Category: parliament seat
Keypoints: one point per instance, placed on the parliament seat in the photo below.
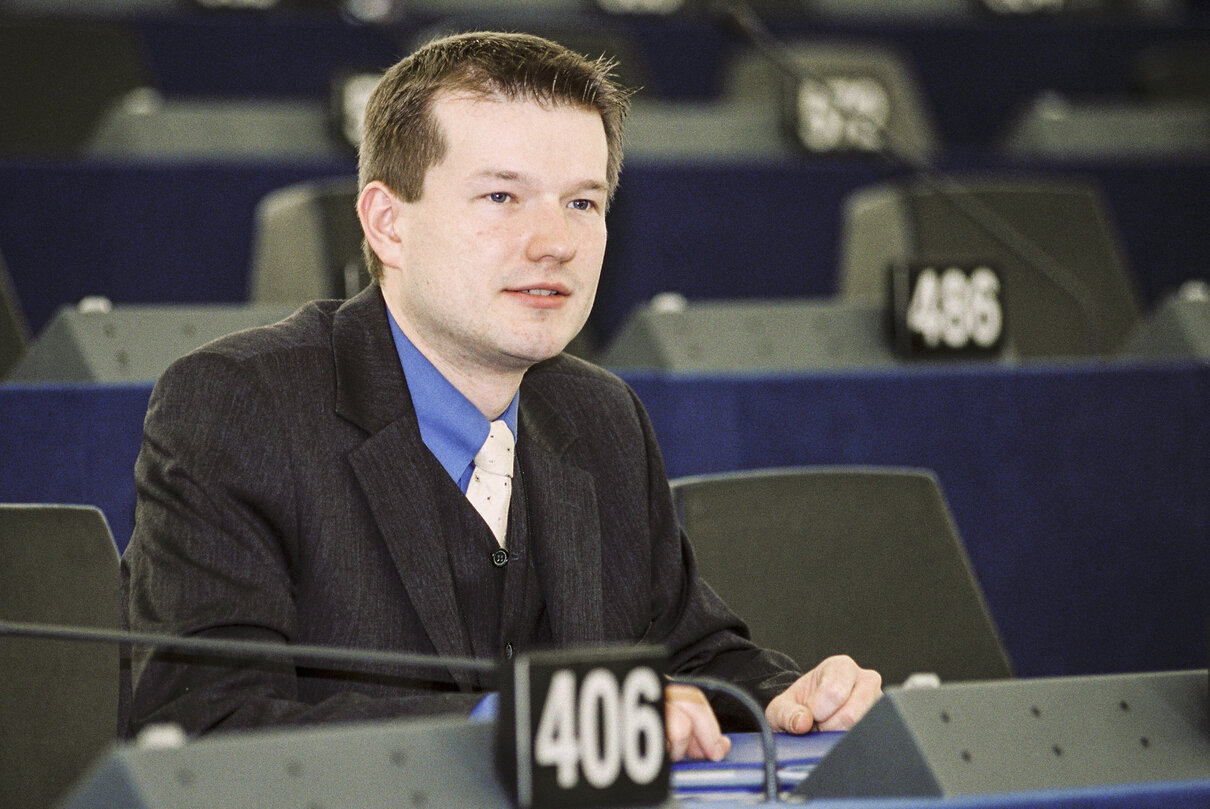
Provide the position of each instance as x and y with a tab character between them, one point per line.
307	243
1065	285
825	99
59	699
1118	128
58	75
144	125
864	561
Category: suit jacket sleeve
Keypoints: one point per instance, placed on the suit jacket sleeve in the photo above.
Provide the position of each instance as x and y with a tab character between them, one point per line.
703	635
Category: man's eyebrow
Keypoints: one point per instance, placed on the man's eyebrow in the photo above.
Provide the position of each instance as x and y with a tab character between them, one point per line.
593	185
498	174
515	176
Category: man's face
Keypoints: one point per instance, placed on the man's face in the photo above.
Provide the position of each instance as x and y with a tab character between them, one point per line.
501	255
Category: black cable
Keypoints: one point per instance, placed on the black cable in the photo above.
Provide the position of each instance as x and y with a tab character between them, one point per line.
768	745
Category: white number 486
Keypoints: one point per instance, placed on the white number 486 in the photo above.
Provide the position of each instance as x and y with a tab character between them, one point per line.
955	308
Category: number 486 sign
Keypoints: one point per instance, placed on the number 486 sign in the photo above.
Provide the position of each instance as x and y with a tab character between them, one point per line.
948	310
585	728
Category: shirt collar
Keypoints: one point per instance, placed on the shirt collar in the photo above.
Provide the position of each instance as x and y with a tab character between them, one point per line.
451	427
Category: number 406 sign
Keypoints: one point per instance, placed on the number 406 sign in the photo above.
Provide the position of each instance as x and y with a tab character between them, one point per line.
585	728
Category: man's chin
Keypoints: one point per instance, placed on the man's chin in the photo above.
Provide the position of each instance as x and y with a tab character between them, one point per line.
533	352
538	344
531	358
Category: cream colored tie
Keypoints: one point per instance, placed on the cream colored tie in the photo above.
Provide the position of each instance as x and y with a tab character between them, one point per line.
491	481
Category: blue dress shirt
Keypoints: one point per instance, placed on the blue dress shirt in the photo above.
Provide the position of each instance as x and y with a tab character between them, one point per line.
451	427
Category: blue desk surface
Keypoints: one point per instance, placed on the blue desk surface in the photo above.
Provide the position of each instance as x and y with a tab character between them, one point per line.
742	771
1179	795
1163	795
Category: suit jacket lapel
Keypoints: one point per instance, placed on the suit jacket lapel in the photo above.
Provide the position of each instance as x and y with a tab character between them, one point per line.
392	469
564	529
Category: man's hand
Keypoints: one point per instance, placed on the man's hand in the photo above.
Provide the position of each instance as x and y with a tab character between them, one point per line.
692	727
831	696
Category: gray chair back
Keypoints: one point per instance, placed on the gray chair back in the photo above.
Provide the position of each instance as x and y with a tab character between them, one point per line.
58	699
864	561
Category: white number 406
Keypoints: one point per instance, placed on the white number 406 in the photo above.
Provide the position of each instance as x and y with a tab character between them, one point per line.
603	729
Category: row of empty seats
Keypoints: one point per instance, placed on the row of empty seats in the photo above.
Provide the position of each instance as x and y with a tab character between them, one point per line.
861	89
180	83
1061	293
124	88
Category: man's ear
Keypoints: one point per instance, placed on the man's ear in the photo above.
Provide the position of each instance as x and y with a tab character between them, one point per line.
378	210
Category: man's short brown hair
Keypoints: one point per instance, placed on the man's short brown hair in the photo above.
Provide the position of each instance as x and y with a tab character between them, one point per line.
403	139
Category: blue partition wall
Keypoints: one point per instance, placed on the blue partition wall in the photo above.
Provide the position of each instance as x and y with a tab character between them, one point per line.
148	232
1082	492
73	444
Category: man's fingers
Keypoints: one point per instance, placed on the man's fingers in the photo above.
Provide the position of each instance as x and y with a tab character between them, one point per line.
679	729
865	691
832	696
785	713
832	683
842	693
692	728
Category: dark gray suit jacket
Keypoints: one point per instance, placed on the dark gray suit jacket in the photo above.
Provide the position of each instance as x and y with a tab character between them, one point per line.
284	493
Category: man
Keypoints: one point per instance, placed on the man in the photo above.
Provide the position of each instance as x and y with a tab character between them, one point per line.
311	481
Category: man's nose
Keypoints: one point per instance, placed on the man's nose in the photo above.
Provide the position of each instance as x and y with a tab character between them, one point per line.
551	236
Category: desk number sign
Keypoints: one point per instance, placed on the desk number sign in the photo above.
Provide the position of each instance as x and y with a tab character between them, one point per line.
584	728
841	114
947	309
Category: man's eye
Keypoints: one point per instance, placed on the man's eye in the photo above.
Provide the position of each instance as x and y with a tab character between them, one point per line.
583	204
499	196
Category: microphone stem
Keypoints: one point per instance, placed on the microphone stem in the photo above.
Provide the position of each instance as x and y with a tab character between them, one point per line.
768	744
244	648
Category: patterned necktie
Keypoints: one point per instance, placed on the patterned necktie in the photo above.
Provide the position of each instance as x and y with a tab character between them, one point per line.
491	481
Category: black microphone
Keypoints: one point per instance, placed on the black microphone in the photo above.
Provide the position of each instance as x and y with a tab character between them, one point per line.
740	20
246	649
